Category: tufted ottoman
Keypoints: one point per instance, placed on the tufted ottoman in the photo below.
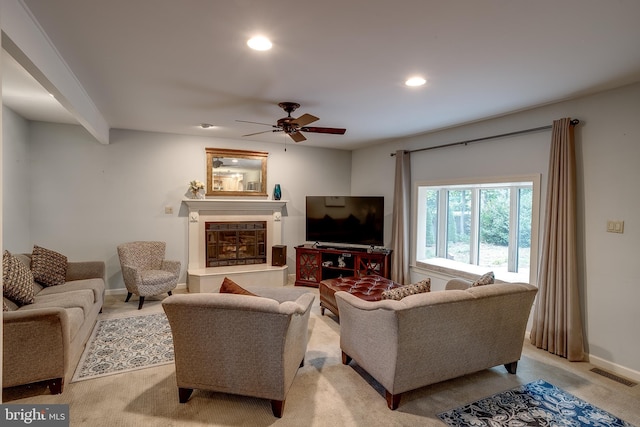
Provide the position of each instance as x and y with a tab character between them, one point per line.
368	288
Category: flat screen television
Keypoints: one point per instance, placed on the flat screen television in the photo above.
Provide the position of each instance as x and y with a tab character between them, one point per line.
350	220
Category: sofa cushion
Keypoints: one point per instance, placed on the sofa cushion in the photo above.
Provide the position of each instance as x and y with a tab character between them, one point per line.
49	267
230	287
485	279
95	285
82	299
406	290
17	280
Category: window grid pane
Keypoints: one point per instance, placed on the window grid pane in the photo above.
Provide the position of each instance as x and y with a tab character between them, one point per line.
431	228
459	225
525	208
494	228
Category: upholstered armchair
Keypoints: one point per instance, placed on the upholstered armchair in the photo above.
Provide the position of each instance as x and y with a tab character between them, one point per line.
240	344
145	271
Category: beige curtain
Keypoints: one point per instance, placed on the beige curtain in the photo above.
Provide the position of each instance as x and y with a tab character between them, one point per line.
557	324
400	240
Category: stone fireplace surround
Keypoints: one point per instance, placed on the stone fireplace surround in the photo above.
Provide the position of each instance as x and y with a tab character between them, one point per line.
208	279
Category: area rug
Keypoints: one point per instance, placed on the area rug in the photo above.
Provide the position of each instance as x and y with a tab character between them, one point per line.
126	344
535	404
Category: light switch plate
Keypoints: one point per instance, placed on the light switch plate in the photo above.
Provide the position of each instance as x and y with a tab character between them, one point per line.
615	226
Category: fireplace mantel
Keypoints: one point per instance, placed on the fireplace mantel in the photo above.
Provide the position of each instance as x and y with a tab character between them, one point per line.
235	204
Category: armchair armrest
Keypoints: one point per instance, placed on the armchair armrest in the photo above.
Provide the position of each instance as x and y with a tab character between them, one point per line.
171	266
131	275
35	346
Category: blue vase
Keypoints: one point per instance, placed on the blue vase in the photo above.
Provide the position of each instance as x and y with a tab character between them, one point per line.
277	193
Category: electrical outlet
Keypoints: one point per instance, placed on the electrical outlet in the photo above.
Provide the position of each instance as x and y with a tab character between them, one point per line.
168	210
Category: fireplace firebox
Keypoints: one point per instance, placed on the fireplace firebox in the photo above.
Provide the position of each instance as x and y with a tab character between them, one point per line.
235	243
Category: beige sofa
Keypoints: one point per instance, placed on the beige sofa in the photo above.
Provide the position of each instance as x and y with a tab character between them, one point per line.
43	341
431	337
240	344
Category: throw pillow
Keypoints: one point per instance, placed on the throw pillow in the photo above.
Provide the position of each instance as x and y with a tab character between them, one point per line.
230	287
406	290
49	267
485	279
17	280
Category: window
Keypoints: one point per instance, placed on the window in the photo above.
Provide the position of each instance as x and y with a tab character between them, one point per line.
479	226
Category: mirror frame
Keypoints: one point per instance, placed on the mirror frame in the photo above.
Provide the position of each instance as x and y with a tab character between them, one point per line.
213	153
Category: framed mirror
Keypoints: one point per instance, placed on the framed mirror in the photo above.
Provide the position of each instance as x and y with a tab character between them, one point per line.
236	172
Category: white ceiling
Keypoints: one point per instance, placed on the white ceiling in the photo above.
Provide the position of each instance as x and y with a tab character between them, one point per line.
168	65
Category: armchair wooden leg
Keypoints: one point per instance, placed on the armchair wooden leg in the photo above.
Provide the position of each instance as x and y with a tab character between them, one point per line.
393	400
184	394
128	297
277	406
56	385
345	358
140	303
511	367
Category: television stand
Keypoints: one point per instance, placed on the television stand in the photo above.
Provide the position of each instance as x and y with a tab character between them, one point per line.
316	263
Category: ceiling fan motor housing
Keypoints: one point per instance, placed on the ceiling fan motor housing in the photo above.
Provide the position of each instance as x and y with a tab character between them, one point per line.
288	124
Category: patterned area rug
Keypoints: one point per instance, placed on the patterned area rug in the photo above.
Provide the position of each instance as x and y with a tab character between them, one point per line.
126	344
535	404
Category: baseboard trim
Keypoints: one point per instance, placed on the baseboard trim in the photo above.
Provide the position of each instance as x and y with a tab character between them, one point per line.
601	363
614	368
123	291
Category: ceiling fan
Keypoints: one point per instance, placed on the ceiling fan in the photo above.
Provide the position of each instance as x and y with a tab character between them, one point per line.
294	126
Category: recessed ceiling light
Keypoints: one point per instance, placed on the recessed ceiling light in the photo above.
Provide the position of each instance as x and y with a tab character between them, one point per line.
206	125
259	43
415	81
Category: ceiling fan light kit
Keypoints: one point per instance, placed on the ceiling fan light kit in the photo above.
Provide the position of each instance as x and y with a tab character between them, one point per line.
293	126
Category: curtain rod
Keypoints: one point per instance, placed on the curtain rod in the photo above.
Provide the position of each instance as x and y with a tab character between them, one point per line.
518	132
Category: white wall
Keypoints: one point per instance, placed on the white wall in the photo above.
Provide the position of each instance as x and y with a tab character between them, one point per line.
87	197
16	177
608	149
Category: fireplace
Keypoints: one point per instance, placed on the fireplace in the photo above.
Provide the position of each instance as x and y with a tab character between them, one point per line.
235	243
233	238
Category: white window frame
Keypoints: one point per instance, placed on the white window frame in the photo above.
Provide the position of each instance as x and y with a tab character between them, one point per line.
456	268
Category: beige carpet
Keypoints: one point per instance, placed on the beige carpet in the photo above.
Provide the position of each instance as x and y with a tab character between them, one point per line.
324	392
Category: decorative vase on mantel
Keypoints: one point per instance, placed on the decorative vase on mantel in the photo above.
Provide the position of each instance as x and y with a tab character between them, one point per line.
277	192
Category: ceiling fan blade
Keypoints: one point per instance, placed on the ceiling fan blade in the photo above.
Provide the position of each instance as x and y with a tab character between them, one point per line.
336	131
305	119
297	137
264	131
256	123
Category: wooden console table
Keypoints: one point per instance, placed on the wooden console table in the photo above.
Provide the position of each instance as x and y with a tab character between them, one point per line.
315	264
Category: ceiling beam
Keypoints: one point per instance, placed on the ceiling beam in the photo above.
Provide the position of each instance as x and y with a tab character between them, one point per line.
25	40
